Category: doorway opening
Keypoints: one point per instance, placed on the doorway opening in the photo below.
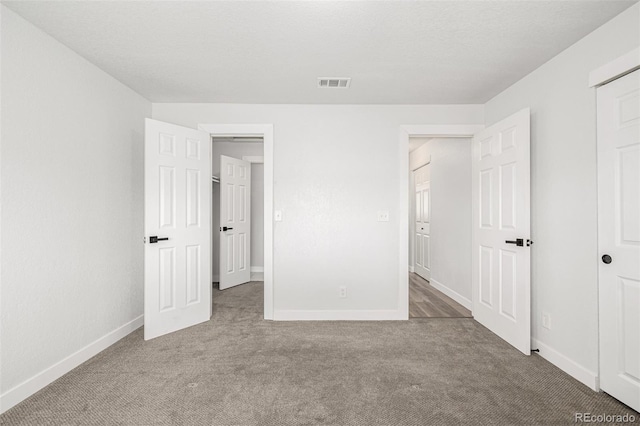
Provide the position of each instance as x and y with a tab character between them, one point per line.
440	227
237	207
251	147
500	223
251	251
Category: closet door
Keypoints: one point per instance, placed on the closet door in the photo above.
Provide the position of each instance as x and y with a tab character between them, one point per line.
422	238
619	237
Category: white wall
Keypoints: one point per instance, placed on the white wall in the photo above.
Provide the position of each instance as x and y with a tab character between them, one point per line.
72	206
334	168
564	196
450	170
238	150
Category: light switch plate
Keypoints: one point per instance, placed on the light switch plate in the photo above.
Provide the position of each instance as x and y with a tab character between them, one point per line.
277	215
546	320
383	215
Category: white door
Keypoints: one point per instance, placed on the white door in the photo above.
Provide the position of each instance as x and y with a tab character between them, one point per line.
177	264
500	230
619	237
423	223
235	222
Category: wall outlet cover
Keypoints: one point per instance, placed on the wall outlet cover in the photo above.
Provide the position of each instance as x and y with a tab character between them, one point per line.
383	215
342	292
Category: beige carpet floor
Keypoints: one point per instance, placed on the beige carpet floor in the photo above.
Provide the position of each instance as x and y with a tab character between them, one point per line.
240	370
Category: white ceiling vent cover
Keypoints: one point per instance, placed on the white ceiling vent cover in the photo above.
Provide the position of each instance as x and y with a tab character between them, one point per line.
334	82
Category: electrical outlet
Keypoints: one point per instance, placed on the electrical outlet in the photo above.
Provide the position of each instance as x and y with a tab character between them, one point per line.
383	215
342	292
546	320
277	215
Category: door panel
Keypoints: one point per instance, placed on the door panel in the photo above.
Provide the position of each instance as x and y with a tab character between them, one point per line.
619	237
177	292
423	222
501	213
235	211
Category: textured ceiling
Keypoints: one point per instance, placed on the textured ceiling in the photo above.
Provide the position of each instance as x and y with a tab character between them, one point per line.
396	52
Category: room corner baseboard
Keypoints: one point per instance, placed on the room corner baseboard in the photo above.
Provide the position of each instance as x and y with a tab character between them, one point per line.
572	368
30	386
452	294
412	269
257	269
337	315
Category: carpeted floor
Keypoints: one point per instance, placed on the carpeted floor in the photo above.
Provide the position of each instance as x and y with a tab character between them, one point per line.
240	370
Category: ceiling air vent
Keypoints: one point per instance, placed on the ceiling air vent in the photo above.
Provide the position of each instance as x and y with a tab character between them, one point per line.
334	82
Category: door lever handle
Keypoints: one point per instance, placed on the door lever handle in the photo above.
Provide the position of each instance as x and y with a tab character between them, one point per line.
155	239
518	241
224	228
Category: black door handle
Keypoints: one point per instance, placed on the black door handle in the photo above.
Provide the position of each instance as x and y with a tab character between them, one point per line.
224	228
607	259
519	242
155	239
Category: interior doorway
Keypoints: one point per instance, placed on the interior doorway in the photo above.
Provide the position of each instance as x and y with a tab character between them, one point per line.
439	227
265	133
500	223
237	210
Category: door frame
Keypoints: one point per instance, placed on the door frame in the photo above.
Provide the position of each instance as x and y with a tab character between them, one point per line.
406	132
266	132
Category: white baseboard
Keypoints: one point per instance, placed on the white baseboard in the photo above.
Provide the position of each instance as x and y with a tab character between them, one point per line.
412	269
257	269
30	386
567	365
452	294
380	315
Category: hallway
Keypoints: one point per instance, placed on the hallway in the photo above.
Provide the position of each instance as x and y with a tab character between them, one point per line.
427	302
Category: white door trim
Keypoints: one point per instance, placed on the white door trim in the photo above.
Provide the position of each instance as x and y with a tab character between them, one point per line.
406	132
266	132
620	66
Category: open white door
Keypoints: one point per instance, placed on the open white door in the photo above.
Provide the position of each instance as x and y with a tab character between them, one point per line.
235	222
500	231
177	264
619	237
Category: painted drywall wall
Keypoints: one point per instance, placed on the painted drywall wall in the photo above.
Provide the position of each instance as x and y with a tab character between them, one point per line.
335	167
72	202
450	177
238	150
563	186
